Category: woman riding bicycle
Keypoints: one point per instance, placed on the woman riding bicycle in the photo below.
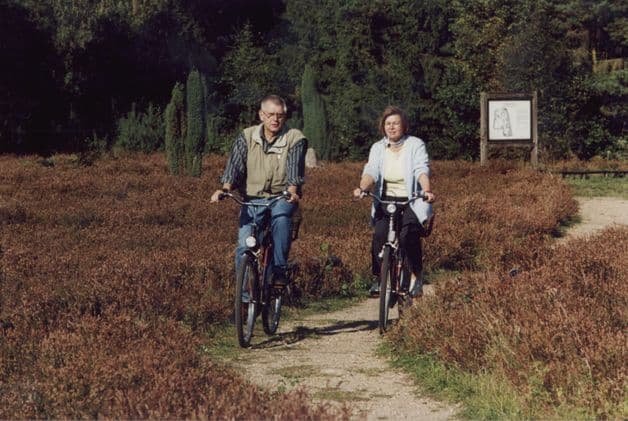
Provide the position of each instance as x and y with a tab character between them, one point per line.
396	163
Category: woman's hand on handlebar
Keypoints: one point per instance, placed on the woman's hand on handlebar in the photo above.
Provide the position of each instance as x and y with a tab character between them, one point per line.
359	193
429	197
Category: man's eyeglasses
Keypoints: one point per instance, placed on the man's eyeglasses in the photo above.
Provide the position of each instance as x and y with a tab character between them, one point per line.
278	116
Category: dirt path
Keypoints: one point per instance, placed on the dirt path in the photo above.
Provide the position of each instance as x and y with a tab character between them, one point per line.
597	213
333	355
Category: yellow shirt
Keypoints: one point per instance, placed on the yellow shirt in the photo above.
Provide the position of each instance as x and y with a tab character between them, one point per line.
393	172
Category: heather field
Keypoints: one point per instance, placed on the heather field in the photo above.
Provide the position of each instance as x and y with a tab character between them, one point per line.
555	332
112	275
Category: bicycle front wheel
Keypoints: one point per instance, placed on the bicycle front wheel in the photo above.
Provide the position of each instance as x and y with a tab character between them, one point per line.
403	299
386	299
271	312
246	300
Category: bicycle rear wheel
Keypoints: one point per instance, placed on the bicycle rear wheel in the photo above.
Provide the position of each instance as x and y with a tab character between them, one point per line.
271	312
245	312
386	293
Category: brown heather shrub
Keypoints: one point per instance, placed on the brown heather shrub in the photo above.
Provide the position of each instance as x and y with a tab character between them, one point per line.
13	213
125	368
110	275
556	330
85	250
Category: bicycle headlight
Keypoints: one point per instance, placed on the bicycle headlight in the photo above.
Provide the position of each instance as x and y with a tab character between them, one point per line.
391	208
250	242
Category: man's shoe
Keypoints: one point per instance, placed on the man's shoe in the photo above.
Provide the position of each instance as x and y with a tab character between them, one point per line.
374	289
280	277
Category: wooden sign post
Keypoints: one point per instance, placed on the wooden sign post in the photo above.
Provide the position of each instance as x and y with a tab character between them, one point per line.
508	120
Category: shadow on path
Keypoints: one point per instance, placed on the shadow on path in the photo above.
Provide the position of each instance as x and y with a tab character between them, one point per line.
302	332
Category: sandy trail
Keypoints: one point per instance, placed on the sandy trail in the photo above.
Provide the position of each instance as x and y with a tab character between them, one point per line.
597	213
333	355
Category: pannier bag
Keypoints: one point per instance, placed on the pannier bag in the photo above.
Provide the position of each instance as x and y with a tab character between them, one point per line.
427	226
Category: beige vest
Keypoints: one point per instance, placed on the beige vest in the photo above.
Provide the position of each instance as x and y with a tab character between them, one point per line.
266	172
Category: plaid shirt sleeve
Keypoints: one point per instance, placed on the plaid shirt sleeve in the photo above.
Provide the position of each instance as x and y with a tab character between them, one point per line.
295	163
235	172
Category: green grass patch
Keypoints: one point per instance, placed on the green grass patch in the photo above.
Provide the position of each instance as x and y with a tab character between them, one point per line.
596	186
223	343
335	394
297	371
482	396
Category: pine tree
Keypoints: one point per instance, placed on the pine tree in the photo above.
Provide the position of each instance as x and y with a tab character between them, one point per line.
175	129
314	117
196	126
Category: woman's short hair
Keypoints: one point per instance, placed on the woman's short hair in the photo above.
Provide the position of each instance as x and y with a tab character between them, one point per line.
275	99
392	110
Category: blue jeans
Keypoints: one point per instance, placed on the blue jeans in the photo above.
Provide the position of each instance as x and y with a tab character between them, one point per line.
280	228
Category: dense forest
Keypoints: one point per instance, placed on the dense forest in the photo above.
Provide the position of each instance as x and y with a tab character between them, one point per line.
81	75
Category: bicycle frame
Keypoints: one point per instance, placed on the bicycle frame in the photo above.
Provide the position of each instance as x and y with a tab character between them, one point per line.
257	256
394	285
261	251
392	211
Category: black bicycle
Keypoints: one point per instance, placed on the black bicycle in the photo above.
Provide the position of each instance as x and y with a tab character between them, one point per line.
254	290
395	275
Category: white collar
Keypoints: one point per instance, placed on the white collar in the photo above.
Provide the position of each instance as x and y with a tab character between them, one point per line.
400	142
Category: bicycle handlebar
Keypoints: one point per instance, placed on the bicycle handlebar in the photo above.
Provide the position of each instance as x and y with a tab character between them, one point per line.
284	195
415	196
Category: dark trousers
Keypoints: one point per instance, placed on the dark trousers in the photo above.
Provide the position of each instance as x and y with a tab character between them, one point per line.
409	239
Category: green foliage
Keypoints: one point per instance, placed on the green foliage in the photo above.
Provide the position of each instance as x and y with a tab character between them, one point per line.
175	129
141	131
196	92
314	116
76	66
212	143
248	74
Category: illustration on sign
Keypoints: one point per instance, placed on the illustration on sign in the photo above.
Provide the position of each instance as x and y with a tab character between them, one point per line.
509	120
502	121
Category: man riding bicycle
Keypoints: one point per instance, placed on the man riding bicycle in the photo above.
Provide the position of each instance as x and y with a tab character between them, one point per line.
266	160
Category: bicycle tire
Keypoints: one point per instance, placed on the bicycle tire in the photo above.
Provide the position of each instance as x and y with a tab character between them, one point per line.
271	312
245	313
385	290
404	300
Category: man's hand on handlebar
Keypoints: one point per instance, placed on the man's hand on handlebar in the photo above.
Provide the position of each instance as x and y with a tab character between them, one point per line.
294	198
218	195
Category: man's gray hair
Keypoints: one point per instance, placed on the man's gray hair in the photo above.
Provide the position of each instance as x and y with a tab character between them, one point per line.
275	99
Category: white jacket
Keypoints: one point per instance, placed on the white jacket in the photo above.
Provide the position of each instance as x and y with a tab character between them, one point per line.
416	163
